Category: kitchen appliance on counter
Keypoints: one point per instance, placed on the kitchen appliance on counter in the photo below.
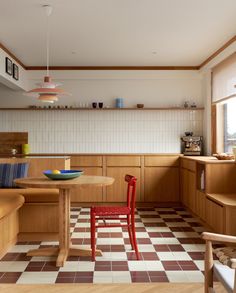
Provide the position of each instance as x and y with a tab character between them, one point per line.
191	145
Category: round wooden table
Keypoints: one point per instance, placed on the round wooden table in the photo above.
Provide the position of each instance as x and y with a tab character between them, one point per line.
65	249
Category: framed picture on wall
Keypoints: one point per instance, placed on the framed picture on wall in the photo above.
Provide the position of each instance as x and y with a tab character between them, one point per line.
15	71
8	66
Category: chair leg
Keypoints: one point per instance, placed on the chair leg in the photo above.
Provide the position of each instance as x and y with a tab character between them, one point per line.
92	231
134	237
130	232
208	268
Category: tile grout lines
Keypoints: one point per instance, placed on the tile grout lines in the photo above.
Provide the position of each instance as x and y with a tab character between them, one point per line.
168	238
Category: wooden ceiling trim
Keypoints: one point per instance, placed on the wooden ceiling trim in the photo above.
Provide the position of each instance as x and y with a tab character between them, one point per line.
11	55
216	53
114	67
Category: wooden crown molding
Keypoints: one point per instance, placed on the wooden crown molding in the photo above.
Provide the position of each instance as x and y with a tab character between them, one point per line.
113	67
227	44
195	67
11	55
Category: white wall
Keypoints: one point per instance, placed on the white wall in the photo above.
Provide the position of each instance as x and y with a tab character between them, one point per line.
153	88
104	131
109	131
8	80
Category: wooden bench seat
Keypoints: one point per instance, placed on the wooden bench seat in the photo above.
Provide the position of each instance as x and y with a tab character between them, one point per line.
9	220
221	212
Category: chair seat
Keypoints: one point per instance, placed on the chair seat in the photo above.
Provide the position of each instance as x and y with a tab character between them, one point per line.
110	211
225	275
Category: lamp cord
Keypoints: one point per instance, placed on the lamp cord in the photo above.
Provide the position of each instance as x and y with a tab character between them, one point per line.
47	49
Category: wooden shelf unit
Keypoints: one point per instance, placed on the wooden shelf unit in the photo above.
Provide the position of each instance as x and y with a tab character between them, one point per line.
105	109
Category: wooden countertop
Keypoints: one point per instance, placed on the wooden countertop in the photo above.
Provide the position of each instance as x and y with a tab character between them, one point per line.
90	154
208	160
226	199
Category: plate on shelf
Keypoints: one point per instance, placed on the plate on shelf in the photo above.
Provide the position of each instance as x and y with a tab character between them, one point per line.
63	175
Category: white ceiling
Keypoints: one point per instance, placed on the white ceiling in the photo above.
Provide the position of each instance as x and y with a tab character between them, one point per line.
117	32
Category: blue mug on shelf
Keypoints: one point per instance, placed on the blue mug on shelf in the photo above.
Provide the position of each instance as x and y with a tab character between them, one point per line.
119	103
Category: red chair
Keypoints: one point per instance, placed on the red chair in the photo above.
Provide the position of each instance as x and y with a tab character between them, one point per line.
113	213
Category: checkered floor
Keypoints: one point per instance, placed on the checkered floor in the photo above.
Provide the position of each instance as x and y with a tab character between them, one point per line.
169	243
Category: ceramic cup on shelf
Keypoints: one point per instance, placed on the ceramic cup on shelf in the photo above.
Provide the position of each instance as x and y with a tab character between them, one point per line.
94	105
119	103
100	105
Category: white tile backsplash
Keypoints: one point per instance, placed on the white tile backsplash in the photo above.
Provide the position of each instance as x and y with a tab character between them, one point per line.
127	131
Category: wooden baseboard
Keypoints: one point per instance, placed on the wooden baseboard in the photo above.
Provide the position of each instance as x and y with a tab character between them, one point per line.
30	236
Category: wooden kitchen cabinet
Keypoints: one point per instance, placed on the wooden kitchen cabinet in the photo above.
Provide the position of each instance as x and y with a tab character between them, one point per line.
201	204
91	165
184	187
215	215
88	194
161	184
188	184
117	192
192	190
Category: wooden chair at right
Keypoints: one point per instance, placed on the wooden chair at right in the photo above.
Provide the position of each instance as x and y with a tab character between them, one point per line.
226	274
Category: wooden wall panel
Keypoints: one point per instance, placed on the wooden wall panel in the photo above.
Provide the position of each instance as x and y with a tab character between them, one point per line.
12	140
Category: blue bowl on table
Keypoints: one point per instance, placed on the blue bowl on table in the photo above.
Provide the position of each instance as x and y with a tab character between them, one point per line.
63	175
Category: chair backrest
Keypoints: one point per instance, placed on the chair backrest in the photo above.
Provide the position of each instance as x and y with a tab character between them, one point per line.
131	191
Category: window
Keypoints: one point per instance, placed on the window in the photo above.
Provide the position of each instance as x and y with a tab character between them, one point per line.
229	125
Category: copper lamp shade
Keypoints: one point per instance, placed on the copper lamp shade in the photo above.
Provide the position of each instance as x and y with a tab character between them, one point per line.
47	90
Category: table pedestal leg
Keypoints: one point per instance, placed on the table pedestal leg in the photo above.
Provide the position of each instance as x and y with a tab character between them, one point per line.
65	248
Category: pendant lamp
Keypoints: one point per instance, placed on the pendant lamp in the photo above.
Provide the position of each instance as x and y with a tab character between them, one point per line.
47	91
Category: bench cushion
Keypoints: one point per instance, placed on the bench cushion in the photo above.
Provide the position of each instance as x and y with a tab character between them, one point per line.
225	275
9	172
39	195
9	203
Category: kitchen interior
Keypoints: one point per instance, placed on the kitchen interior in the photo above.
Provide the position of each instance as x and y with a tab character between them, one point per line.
171	127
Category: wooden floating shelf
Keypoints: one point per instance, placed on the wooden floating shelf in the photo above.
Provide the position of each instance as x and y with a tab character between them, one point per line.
102	109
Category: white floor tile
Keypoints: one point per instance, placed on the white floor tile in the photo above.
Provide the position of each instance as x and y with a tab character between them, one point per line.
168	240
194	247
137	265
186	234
102	277
37	278
199	264
121	277
177	276
154	265
13	266
23	248
195	276
146	248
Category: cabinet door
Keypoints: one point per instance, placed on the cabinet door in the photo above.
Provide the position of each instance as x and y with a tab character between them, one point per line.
161	184
117	192
215	216
201	205
184	187
88	194
192	190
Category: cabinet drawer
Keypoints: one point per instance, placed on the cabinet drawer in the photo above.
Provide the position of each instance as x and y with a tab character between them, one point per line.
188	164
86	161
161	161
126	161
215	215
